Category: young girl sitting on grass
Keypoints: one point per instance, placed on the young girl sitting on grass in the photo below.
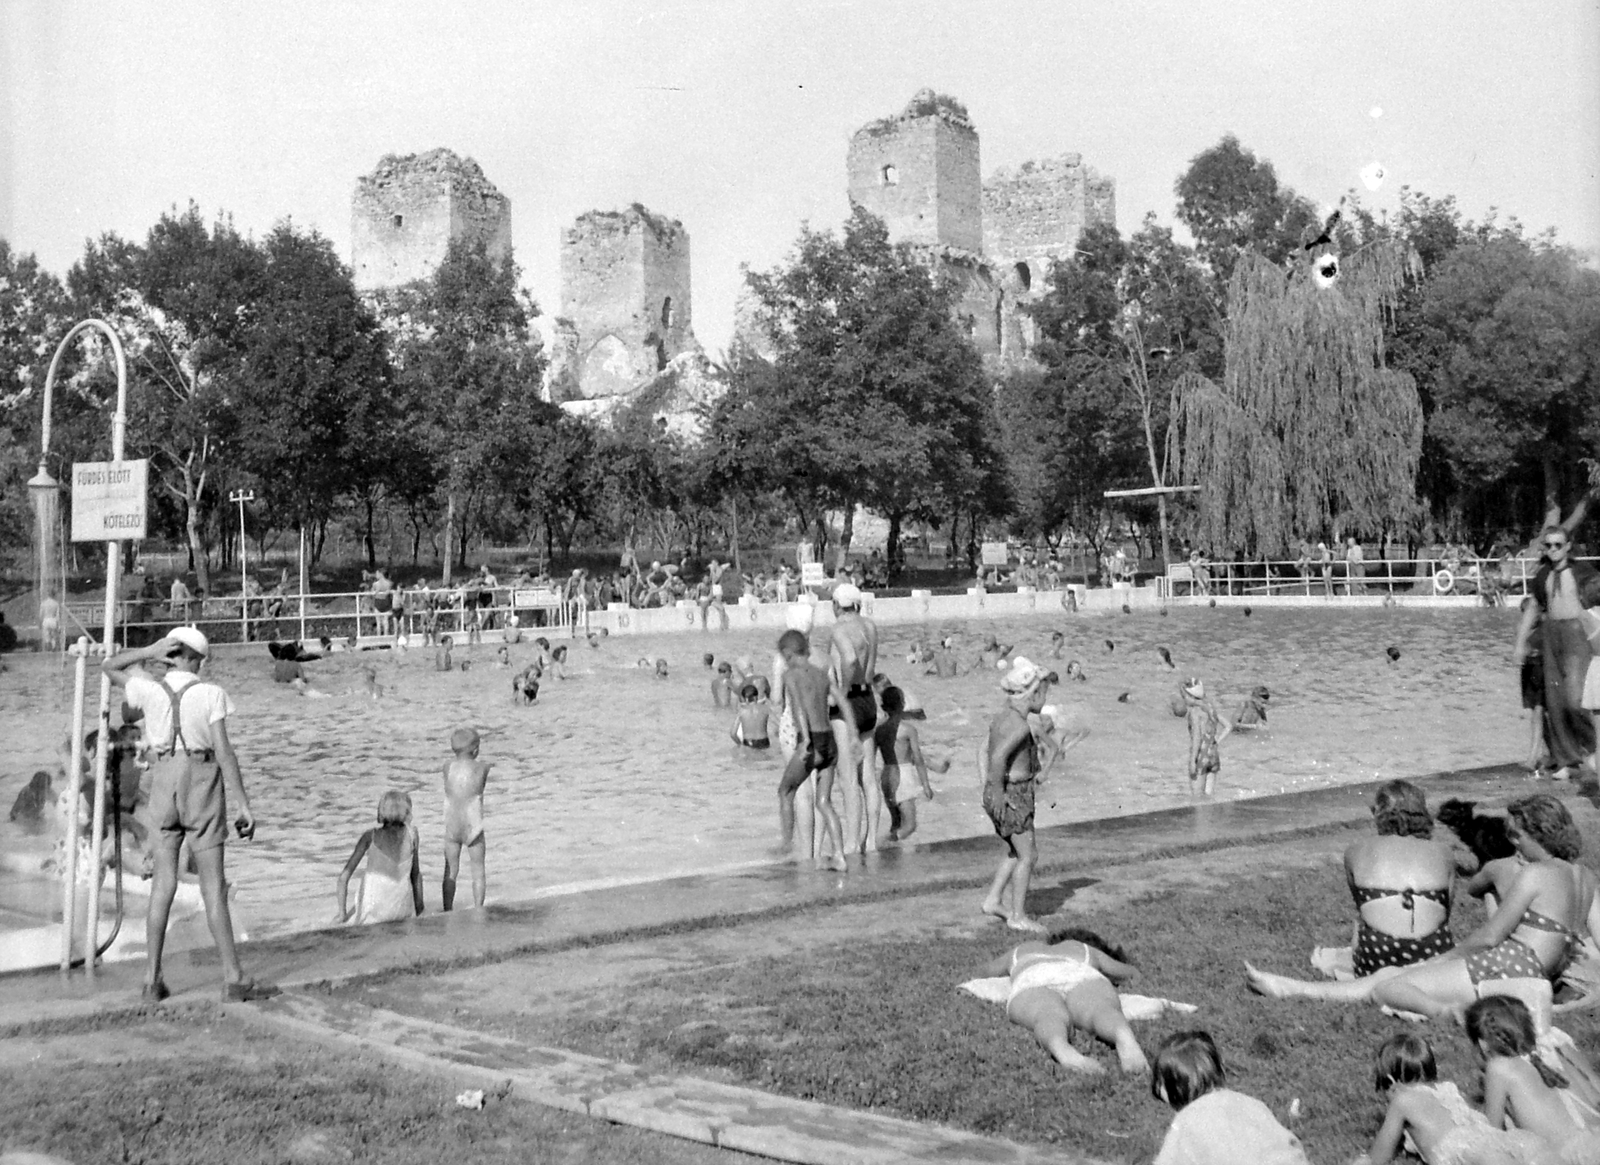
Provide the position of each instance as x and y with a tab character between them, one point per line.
1434	1120
1215	1125
391	885
1518	1086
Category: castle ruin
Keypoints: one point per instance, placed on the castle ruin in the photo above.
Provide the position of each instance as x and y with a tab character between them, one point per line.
993	242
625	300
407	212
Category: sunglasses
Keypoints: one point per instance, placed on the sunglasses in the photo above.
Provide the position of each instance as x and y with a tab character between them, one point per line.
1555	545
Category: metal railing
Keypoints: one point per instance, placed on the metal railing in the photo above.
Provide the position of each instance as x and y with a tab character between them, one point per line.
1494	581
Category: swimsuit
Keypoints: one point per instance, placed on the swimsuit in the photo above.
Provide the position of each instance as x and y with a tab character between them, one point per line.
385	893
1374	949
1472	1140
884	737
863	703
1055	972
1207	759
1514	959
463	824
762	743
822	754
1011	808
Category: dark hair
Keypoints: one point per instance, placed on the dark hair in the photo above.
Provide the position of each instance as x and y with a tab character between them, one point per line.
1401	810
1260	692
1504	1026
893	700
1545	819
1090	939
794	643
1406	1058
559	653
1186	1067
724	668
708	659
749	692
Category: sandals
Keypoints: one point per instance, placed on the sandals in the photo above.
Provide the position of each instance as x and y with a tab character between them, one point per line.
249	991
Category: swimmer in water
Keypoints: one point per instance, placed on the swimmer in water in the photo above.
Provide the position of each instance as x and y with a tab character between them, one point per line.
1075	672
441	656
464	780
502	655
709	660
945	664
525	686
992	654
722	685
391	885
558	662
751	727
1253	712
543	645
1058	643
371	688
661	669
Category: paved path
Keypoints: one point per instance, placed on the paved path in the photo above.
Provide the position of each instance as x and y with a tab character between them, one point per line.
713	1113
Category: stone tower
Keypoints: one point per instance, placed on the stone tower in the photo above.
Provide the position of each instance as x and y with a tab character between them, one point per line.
1035	213
919	172
406	213
625	289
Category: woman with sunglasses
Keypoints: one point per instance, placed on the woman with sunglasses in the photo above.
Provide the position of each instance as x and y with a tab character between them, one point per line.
1562	590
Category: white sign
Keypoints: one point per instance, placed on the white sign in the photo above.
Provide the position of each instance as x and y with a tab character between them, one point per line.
108	500
537	597
995	554
812	574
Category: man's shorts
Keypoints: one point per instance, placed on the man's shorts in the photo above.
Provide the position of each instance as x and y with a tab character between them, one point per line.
864	704
823	753
1012	810
186	800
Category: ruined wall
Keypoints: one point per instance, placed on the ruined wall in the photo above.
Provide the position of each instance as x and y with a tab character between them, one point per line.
405	214
1037	210
919	172
625	288
989	304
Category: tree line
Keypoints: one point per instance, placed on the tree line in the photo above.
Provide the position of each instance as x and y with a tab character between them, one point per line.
1446	383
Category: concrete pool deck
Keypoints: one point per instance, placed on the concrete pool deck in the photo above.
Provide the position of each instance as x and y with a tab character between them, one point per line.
715	1114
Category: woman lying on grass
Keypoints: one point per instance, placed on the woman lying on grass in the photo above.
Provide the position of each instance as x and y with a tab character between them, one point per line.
1065	984
1533	934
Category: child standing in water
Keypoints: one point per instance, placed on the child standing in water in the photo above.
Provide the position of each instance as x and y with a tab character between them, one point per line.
750	726
464	778
391	885
807	689
1206	731
899	747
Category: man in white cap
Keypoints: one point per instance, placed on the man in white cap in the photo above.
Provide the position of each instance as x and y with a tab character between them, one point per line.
853	652
1010	764
194	783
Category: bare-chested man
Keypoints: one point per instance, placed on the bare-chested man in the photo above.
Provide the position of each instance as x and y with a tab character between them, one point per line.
853	654
807	690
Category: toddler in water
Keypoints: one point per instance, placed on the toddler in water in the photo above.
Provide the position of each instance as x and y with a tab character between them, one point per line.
391	885
1206	731
441	657
464	779
898	745
1214	1125
750	726
525	685
1434	1120
722	685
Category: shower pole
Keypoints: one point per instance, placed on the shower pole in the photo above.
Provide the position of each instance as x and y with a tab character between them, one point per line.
119	427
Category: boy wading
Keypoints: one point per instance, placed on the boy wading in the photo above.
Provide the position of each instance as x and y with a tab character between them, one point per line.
194	777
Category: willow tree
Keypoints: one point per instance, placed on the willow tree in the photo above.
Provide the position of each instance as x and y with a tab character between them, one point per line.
1308	429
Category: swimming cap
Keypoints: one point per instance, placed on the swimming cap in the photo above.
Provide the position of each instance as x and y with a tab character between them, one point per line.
799	617
847	595
1023	677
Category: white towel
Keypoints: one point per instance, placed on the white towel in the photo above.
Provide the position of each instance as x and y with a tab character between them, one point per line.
1140	1007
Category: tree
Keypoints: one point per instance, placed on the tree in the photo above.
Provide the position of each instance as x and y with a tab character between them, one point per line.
1232	203
183	303
1308	428
1509	330
315	408
874	397
34	315
469	378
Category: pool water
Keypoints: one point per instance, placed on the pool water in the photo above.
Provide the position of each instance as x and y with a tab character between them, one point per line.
616	775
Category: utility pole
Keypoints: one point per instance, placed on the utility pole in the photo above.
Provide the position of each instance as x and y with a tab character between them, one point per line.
242	496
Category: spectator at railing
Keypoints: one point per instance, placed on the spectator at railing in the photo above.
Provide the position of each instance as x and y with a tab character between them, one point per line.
1027	572
1200	571
1355	568
178	600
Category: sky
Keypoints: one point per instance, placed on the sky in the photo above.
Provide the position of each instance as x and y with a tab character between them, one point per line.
734	117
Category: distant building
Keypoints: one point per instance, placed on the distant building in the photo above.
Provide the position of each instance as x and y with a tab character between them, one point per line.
406	213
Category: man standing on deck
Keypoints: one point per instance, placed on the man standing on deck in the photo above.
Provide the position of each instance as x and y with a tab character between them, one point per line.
1562	590
854	655
195	787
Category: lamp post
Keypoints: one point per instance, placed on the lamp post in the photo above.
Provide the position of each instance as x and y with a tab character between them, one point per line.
242	496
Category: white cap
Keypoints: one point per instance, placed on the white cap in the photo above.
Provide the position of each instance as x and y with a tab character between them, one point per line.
192	638
799	617
1023	677
847	595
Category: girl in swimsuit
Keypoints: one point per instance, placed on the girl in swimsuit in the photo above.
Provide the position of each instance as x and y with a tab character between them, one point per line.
391	885
1520	1087
1067	983
1531	935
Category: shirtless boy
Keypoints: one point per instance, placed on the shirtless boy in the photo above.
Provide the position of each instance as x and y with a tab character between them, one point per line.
464	778
806	689
722	685
1010	764
441	657
750	728
899	746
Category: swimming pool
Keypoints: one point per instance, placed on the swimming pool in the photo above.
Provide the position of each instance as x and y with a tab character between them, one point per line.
615	775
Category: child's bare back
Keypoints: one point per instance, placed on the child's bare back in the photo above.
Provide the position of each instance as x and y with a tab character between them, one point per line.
464	780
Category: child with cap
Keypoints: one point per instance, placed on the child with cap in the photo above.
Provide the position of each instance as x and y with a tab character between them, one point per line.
1008	764
1207	730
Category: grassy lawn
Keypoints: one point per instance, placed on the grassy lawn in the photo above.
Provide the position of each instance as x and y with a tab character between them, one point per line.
180	1090
879	1025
